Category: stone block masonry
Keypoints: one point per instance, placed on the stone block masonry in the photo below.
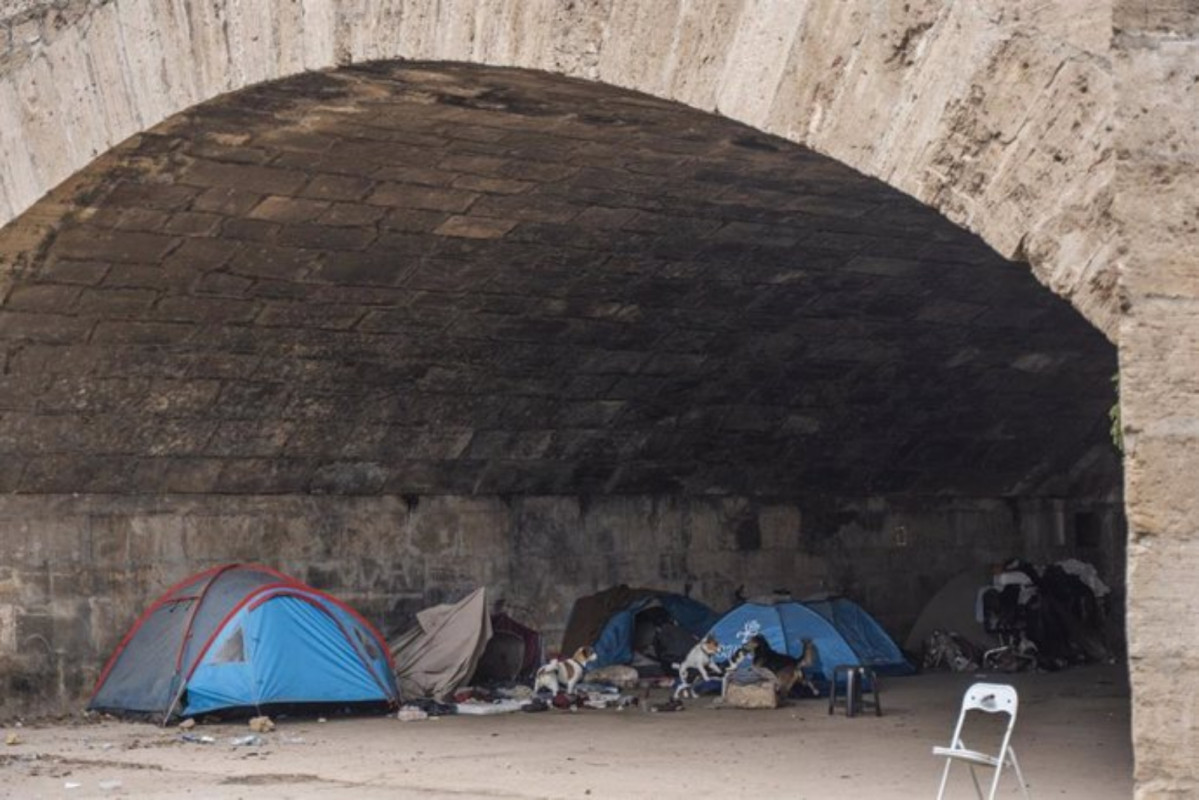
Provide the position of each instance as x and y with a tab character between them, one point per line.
417	278
79	569
999	117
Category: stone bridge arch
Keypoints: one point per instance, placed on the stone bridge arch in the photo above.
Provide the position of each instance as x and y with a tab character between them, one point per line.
1064	136
998	115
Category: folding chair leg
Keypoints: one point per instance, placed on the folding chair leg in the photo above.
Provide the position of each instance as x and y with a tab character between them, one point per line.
944	778
1019	775
978	787
995	781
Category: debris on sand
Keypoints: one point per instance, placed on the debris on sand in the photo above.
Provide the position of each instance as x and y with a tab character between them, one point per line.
411	714
668	706
191	738
252	740
261	724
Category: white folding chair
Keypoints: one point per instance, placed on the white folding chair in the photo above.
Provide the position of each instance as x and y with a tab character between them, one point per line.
990	698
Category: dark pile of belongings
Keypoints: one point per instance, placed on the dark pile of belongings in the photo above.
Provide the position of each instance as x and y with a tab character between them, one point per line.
1027	617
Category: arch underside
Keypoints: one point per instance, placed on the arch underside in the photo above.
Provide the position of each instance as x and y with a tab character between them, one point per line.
404	279
998	116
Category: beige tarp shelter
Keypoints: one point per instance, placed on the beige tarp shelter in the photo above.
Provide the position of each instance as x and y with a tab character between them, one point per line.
952	610
439	653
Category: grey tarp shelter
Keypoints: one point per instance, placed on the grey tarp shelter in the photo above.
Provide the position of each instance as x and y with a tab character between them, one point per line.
439	653
952	610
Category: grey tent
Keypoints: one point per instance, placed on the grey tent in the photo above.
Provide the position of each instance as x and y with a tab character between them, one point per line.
952	610
244	636
439	653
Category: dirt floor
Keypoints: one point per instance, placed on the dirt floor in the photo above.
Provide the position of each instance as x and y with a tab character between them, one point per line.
1072	738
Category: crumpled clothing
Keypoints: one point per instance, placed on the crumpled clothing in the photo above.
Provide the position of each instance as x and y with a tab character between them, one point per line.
942	649
1087	574
483	708
431	707
596	688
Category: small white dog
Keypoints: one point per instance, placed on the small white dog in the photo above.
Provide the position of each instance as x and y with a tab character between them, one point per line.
698	660
558	672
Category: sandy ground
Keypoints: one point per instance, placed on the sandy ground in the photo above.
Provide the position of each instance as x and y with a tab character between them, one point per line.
1072	738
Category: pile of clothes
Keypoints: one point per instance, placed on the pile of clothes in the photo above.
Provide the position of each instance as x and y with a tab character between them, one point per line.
1034	617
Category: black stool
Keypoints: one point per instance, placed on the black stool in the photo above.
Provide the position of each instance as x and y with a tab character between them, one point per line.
858	680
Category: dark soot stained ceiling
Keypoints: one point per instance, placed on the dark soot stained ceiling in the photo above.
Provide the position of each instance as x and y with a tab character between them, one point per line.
444	279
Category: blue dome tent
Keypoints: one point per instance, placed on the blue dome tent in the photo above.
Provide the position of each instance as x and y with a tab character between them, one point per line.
874	648
785	624
244	636
607	621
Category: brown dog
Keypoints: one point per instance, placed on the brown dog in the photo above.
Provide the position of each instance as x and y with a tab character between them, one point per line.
787	669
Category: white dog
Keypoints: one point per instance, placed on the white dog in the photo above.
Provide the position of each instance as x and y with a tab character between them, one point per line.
698	660
558	672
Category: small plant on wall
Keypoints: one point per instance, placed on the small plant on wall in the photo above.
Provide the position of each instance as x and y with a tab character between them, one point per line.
1117	430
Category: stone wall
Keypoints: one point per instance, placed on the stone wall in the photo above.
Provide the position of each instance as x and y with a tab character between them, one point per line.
418	278
77	570
1157	172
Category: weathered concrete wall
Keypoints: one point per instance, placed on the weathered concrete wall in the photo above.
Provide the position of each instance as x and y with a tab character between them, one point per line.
997	113
1157	175
78	569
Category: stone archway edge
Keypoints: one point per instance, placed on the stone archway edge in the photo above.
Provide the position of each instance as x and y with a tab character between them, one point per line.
1063	133
997	115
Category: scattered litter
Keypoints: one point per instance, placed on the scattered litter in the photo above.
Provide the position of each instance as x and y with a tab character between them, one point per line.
535	705
193	739
292	740
107	785
477	708
668	706
12	739
187	724
321	720
432	707
261	724
71	785
411	714
252	740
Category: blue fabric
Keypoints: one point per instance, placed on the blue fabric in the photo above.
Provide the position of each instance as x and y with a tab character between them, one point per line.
302	650
615	642
785	625
690	614
296	649
863	633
